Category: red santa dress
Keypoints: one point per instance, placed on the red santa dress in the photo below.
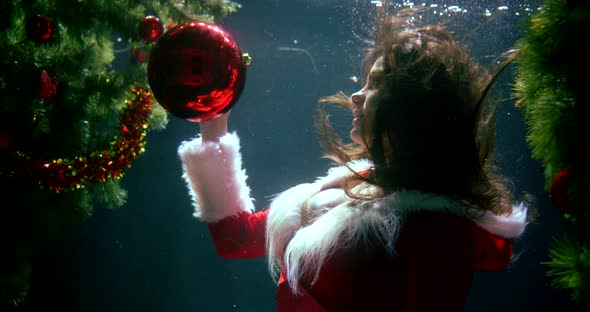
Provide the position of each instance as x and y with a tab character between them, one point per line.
409	251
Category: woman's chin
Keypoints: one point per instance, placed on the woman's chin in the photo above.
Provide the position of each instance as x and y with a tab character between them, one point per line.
355	135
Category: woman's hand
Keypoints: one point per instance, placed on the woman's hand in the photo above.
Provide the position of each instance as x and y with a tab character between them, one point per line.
213	129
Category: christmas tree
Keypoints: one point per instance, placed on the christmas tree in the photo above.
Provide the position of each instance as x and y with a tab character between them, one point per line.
71	120
550	86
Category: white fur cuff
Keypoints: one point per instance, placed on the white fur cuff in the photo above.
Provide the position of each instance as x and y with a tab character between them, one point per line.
215	178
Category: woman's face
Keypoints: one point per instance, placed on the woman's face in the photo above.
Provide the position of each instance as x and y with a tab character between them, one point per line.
365	102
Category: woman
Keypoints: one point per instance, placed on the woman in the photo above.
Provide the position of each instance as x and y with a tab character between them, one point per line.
410	213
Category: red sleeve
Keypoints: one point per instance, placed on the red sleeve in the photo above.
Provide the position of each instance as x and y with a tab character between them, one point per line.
434	250
489	252
240	236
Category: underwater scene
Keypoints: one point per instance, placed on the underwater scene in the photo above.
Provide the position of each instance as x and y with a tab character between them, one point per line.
168	155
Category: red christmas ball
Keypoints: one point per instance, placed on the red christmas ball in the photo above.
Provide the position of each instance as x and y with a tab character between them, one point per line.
151	28
196	71
139	55
39	28
560	195
46	86
6	138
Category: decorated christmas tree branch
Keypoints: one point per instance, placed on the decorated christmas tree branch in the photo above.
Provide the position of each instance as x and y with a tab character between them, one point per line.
68	126
549	90
98	166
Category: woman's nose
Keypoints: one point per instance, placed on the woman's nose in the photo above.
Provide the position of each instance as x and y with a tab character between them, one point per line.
358	98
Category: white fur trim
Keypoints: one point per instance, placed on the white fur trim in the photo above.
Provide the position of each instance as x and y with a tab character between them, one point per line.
303	249
339	173
215	178
284	219
344	226
507	226
312	245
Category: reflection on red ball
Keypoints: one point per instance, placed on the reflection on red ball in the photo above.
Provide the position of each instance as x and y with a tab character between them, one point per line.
39	28
196	71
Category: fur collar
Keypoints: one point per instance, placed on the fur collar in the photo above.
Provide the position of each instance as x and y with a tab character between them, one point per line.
299	249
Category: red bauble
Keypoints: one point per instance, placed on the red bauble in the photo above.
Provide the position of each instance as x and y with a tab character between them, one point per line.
559	192
6	138
139	55
151	28
39	28
196	71
46	86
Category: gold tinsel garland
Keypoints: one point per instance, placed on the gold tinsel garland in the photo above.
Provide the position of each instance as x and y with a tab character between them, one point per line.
65	174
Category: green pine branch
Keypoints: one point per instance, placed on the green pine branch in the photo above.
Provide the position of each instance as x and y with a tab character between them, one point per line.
569	267
545	89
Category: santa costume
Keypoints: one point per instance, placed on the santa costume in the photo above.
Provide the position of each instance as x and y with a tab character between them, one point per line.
408	251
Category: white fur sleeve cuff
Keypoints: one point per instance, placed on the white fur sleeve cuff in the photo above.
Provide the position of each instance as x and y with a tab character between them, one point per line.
215	178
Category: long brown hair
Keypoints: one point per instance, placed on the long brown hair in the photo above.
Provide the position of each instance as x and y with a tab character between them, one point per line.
434	128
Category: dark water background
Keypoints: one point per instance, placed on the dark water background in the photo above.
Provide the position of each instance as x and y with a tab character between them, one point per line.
152	255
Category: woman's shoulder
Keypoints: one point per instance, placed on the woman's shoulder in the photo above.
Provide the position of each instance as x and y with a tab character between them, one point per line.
449	240
429	207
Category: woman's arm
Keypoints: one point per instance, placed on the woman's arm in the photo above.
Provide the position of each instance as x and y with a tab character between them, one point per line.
241	236
212	169
213	129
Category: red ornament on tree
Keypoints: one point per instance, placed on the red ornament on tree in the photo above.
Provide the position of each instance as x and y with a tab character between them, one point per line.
139	55
151	28
6	138
560	195
39	28
196	71
46	86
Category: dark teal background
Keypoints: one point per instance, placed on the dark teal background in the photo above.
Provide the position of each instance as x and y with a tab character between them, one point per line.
152	255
